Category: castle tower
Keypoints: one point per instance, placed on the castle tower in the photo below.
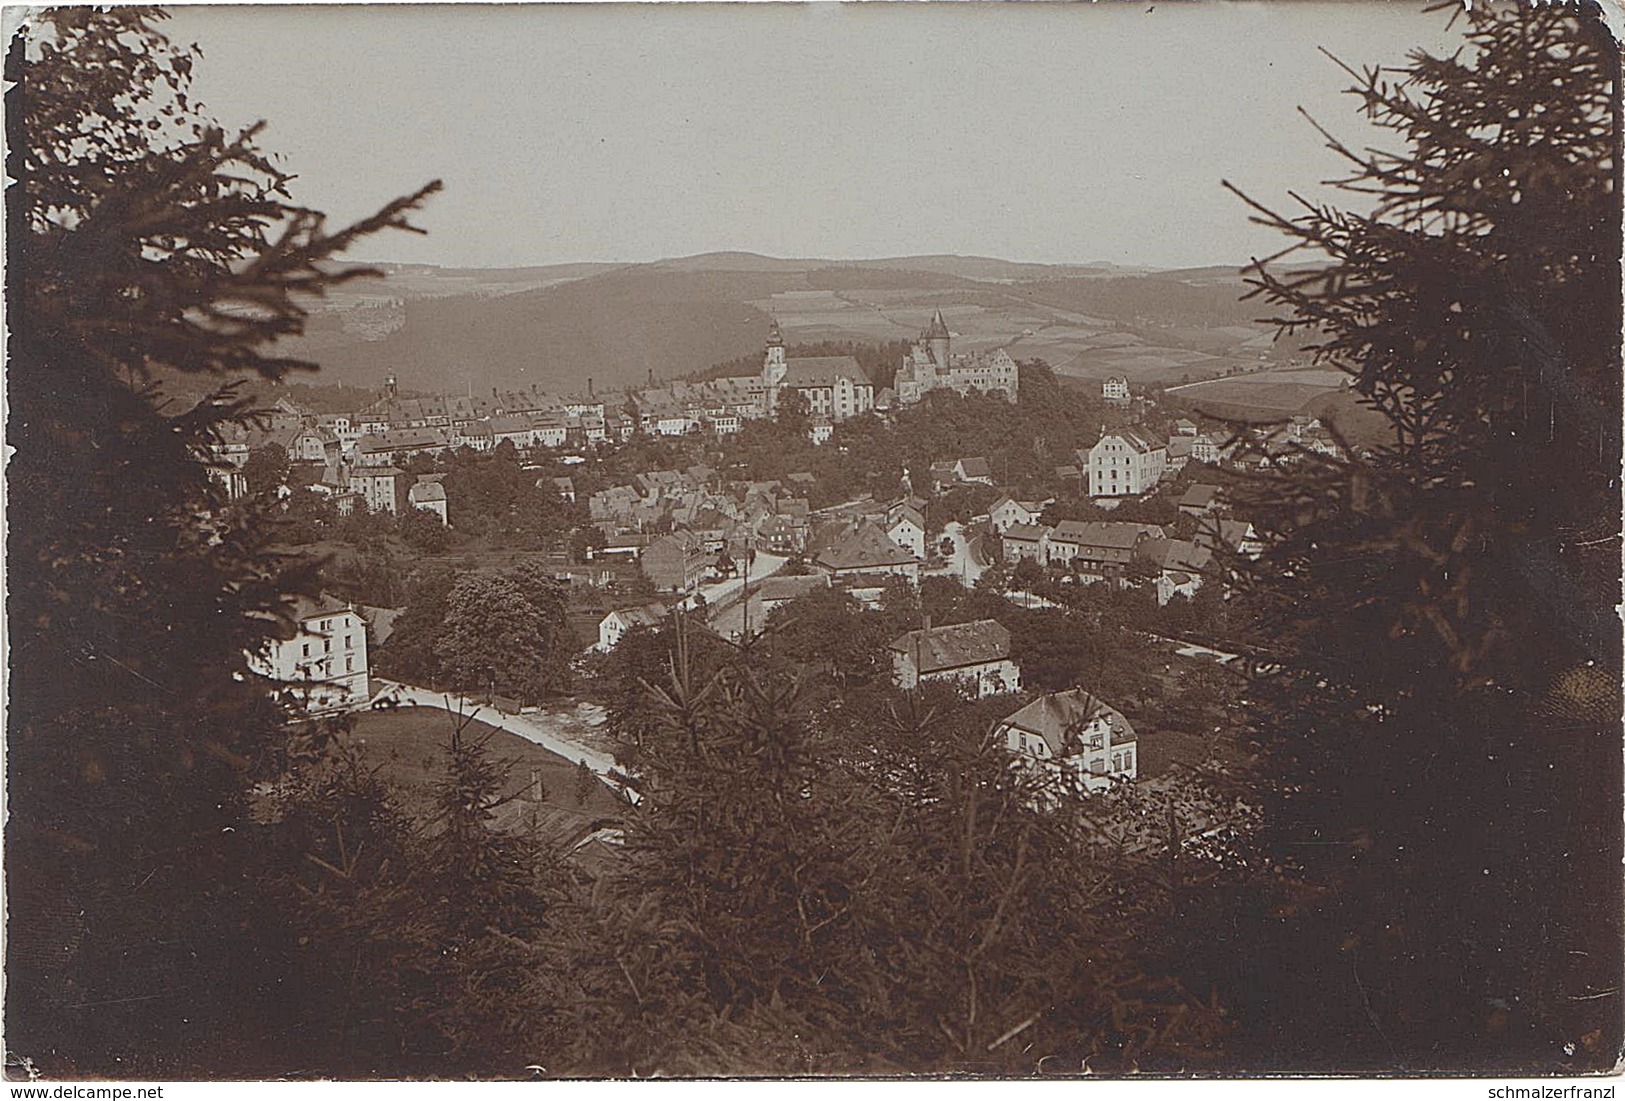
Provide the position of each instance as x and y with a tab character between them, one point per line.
937	338
390	389
773	365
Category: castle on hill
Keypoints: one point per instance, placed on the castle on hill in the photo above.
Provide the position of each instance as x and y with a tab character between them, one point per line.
930	366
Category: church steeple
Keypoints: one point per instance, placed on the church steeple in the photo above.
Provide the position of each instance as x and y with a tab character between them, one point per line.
936	337
774	367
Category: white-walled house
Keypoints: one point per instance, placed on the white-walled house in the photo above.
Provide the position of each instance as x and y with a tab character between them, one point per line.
324	666
1007	512
1026	541
613	627
1126	463
429	496
974	654
1074	741
907	530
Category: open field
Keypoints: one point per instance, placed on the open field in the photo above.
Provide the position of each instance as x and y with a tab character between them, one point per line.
1263	394
408	748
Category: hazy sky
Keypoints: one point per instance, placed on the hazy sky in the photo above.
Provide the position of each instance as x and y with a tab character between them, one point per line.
1028	131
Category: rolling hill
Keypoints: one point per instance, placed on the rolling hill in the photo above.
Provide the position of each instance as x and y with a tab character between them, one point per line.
558	326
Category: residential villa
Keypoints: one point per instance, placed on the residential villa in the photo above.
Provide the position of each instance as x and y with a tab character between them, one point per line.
1073	741
1097	549
323	667
1007	512
976	655
865	549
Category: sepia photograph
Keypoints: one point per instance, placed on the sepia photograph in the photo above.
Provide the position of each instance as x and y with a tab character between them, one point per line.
564	542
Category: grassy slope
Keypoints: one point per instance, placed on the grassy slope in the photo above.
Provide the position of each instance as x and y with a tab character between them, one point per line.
408	747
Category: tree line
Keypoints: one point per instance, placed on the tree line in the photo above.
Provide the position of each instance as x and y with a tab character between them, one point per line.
821	873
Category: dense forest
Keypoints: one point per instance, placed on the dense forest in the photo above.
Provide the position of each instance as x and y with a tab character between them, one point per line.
1397	851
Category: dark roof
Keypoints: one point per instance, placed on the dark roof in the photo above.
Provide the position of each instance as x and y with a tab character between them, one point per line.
1175	554
823	371
1200	495
976	467
955	646
1136	439
1025	533
938	327
1118	534
1060	716
790	587
865	546
306	608
645	615
909	513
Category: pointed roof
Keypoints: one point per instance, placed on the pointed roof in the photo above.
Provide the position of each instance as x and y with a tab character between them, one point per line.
865	547
938	328
1060	717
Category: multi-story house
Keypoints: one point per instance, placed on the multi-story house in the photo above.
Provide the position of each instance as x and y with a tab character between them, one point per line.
865	549
1007	512
906	527
1029	541
429	496
323	667
1126	463
378	487
1073	741
977	655
1204	449
676	562
1097	549
1115	390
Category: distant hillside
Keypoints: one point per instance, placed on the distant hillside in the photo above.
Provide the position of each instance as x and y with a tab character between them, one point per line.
614	329
557	326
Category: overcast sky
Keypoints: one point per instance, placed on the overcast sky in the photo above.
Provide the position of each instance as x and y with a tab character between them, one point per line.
1045	132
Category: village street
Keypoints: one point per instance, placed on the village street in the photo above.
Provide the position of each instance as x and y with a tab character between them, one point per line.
721	592
962	565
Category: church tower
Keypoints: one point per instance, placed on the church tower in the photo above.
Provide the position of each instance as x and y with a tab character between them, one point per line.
937	338
773	365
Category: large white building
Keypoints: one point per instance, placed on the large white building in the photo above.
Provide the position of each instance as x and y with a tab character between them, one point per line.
1126	463
323	667
929	366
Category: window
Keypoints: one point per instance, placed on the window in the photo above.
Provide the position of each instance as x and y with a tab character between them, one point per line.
349	642
349	665
327	646
1128	760
305	650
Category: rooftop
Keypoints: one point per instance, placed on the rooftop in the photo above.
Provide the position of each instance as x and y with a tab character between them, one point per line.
955	646
1060	717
